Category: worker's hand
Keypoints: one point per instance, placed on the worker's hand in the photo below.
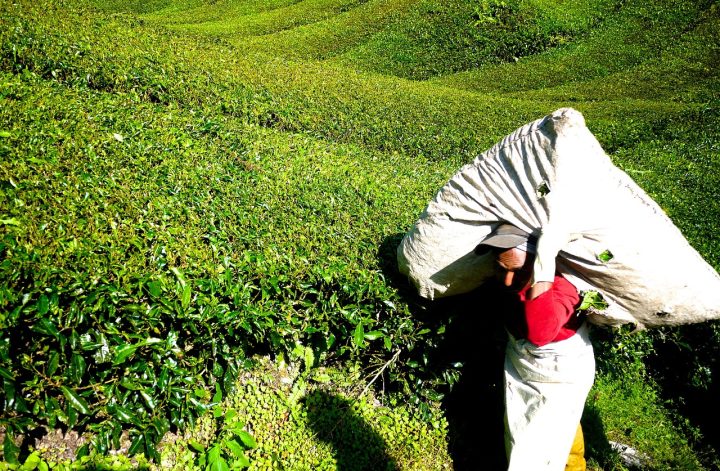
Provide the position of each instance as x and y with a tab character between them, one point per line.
539	288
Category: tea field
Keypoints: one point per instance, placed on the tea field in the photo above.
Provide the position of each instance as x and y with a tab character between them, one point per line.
200	203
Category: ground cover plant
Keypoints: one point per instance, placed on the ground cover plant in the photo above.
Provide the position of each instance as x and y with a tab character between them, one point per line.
185	185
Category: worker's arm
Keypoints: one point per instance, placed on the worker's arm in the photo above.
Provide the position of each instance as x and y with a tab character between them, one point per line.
548	306
539	288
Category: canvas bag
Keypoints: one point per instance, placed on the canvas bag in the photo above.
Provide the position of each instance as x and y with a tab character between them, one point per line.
552	179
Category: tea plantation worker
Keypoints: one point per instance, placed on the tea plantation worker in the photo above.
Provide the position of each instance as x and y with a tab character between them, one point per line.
549	360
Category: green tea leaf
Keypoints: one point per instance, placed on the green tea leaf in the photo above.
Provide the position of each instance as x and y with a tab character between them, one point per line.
374	335
235	448
214	454
178	274
242	461
239	453
102	354
75	342
77	368
122	352
43	305
162	425
247	439
230	414
124	415
359	337
9	390
186	296
5	373
163	379
330	341
83	451
10	450
136	445
46	327
72	416
606	256
10	221
196	446
128	383
309	357
74	399
154	288
149	400
592	299
322	378
150	449
218	396
219	465
32	462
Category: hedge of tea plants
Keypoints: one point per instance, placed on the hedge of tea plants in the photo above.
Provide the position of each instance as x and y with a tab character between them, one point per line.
178	193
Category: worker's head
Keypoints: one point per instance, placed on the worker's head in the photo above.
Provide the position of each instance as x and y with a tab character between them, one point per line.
514	251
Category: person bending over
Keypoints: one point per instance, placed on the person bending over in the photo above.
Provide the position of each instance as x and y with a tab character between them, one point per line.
549	360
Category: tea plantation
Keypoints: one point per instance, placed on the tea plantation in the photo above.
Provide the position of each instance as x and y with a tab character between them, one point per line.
200	202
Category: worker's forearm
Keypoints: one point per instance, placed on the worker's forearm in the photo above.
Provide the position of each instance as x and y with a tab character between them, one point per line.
539	288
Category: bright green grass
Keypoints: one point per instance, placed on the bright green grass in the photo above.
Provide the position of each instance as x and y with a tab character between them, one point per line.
199	11
624	40
631	413
104	192
439	38
233	22
687	154
332	35
684	71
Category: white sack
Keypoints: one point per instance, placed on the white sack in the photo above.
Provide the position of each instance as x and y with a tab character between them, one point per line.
551	178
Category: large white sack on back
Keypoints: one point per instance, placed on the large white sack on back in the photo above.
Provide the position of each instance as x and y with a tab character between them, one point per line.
551	178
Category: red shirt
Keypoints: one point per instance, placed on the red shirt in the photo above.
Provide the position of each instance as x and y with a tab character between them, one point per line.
549	317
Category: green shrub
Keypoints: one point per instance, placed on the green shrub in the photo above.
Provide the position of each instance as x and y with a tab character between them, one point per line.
171	203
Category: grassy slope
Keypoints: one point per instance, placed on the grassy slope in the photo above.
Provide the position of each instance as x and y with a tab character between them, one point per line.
440	38
366	140
243	20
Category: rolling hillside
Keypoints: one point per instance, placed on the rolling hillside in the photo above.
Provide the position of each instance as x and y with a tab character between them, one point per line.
188	184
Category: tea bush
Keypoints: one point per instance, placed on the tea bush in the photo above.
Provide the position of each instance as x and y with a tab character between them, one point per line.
184	257
439	38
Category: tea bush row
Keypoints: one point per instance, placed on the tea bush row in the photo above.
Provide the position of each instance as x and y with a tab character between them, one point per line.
441	38
148	249
380	112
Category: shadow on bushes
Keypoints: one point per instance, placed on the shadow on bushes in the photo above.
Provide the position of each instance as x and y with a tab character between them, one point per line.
387	260
597	446
475	338
356	445
474	405
685	363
